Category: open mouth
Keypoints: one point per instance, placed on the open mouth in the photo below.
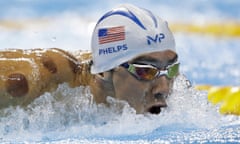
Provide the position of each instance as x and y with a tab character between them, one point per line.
156	109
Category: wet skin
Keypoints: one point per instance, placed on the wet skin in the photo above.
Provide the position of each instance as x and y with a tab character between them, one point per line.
27	74
143	96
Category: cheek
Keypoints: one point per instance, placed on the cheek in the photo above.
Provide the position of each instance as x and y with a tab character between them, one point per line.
128	88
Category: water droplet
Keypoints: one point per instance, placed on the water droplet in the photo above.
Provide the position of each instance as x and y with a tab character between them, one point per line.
54	39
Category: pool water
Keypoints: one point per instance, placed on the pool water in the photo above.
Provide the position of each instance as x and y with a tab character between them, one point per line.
68	115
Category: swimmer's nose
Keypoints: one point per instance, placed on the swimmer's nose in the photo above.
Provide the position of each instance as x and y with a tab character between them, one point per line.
160	96
160	88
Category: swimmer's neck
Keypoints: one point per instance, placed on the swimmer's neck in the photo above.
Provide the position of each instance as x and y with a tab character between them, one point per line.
84	76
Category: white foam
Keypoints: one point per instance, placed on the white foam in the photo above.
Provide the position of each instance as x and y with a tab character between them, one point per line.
70	113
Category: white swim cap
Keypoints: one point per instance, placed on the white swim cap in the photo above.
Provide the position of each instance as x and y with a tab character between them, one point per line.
126	32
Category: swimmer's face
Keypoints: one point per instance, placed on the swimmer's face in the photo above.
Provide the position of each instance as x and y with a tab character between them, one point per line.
141	94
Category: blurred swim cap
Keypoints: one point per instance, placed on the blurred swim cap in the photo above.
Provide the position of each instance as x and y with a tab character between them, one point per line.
126	32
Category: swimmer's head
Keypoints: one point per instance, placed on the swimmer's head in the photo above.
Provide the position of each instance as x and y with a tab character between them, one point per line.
125	33
134	59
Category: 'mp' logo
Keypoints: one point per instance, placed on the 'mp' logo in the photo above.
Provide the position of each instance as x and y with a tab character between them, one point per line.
157	39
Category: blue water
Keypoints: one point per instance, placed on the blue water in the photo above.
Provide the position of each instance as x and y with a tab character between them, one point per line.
68	115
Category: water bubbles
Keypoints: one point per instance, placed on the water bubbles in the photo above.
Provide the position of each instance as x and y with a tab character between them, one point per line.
53	39
71	113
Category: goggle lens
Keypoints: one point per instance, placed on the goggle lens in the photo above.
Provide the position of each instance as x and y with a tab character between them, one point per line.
148	72
173	70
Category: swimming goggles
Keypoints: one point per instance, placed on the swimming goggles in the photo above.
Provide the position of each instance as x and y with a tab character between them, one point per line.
149	72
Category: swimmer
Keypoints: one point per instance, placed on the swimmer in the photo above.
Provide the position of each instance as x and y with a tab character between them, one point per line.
133	58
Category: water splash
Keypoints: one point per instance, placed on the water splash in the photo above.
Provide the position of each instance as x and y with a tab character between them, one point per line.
70	113
190	107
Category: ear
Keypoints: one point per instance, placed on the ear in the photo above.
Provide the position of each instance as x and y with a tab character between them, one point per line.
106	76
102	86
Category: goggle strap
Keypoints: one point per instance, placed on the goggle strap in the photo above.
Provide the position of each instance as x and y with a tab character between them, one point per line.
129	67
125	65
